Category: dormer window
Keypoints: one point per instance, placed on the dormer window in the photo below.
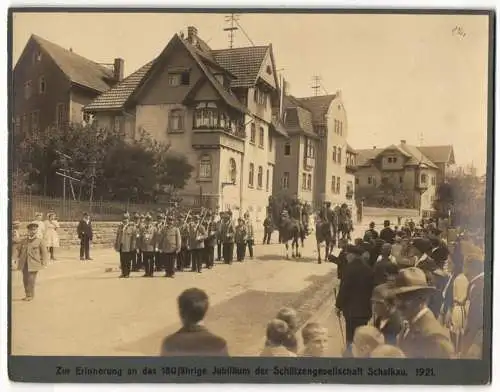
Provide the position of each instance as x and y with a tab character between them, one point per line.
269	70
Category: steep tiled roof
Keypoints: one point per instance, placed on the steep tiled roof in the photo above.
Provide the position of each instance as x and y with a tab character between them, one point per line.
116	97
417	157
78	69
244	63
318	105
366	155
229	97
438	154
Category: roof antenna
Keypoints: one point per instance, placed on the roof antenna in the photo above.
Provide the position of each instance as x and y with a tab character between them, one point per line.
316	84
232	19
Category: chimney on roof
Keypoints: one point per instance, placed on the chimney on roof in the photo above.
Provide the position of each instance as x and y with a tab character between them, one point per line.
338	93
118	68
374	147
192	34
403	141
71	50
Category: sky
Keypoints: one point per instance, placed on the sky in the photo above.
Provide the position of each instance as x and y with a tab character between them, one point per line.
421	78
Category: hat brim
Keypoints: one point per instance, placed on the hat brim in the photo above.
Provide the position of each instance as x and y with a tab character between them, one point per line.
403	290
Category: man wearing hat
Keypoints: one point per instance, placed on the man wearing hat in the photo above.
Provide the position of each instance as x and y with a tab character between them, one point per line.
185	253
371	233
354	296
126	244
422	335
160	222
137	259
387	234
219	241
226	235
197	235
33	257
386	317
211	240
85	234
436	277
169	246
148	238
439	251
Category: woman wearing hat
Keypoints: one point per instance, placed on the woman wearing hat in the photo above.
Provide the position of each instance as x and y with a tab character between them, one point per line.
51	235
422	336
32	259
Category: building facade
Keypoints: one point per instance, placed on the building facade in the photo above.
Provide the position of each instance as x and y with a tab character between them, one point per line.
51	85
313	163
212	106
404	169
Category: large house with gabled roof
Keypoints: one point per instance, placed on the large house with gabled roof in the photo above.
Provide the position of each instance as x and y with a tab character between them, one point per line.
214	107
51	85
416	170
317	163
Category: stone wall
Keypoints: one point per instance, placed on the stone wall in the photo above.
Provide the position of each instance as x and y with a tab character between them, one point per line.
105	232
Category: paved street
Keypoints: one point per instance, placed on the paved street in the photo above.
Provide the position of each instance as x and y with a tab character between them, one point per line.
80	309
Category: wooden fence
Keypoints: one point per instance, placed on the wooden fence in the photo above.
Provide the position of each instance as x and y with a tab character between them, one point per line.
24	207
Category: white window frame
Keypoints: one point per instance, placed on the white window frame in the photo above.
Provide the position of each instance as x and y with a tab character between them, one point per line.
261	137
205	167
176	121
285	180
251	171
253	133
260	177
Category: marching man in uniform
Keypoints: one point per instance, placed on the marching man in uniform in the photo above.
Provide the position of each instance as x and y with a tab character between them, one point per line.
169	246
160	221
210	241
197	235
125	244
226	236
148	244
137	259
185	254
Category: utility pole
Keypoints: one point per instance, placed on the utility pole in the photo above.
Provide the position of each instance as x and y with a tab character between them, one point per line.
316	84
232	19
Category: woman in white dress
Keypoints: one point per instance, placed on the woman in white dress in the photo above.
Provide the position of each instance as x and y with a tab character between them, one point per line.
51	235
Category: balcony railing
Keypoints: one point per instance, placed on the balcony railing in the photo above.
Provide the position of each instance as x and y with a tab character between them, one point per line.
309	162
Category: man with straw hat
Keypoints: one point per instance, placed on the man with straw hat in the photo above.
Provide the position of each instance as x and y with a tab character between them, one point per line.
422	335
32	259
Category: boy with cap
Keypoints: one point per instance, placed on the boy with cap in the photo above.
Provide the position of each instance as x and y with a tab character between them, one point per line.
33	257
422	335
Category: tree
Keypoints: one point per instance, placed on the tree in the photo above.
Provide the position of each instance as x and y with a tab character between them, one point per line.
463	195
101	157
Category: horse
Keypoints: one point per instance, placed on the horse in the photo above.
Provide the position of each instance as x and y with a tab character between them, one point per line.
289	229
325	232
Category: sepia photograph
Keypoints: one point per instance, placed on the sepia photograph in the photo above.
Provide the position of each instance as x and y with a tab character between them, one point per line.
262	184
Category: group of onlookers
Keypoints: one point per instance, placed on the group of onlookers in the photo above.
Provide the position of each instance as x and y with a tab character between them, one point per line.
413	289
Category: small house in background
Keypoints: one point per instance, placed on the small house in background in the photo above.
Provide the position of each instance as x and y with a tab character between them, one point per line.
406	170
51	85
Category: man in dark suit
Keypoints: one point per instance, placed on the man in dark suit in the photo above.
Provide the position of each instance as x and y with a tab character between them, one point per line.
422	335
387	234
85	234
193	339
386	317
354	297
439	251
436	277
